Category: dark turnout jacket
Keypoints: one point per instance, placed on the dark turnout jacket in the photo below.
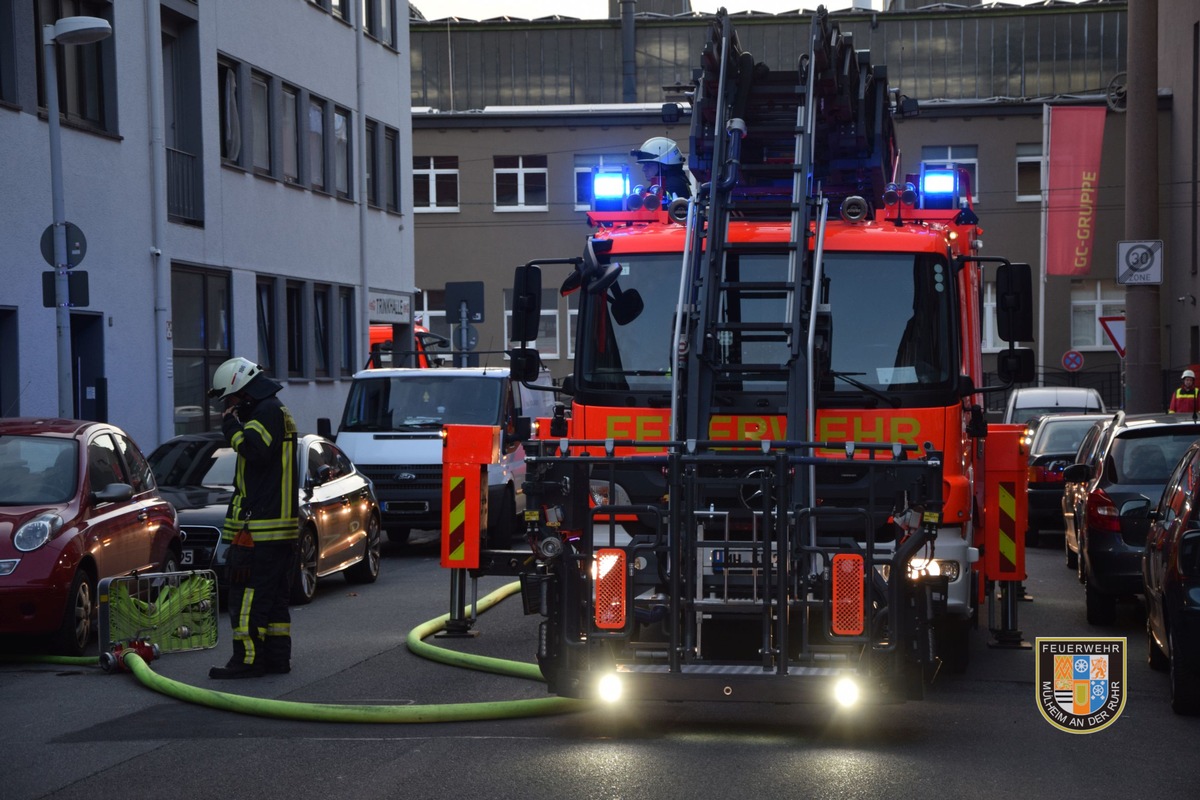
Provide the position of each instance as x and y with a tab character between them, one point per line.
265	483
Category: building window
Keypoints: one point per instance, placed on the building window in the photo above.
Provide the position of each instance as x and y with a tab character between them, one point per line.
260	122
961	156
1091	300
200	343
346	318
1029	173
572	322
229	113
8	65
321	330
290	134
378	20
391	161
86	73
372	137
316	143
583	176
265	311
435	184
520	183
341	151
294	299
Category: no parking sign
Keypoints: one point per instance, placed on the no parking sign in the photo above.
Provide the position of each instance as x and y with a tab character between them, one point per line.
1072	360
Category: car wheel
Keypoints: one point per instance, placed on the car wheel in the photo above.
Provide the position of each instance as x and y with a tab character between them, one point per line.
502	529
398	534
76	630
1185	680
305	585
1155	657
367	570
1072	558
1101	608
170	562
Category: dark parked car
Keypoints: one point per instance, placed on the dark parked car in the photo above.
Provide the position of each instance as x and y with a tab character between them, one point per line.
1171	571
78	503
1134	461
1054	440
1075	492
339	516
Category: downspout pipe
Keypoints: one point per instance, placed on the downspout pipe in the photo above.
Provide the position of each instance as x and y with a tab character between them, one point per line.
628	53
360	96
159	262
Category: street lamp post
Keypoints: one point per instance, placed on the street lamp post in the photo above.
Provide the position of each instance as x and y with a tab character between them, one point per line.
67	31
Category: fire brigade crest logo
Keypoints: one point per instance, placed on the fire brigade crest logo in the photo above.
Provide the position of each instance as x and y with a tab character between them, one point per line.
1080	682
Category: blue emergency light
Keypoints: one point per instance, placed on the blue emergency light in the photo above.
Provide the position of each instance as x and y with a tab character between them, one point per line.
939	188
610	187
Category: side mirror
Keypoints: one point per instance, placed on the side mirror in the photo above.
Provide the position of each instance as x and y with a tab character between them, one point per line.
527	303
114	493
324	427
1015	365
1077	473
1014	302
524	364
627	306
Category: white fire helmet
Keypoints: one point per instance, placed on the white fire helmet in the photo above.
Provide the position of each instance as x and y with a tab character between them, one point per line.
1187	373
658	149
233	376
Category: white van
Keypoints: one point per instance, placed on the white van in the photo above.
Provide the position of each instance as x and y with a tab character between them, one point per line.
1033	401
391	429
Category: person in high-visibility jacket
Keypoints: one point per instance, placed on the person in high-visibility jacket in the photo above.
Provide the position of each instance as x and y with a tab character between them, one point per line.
261	525
1185	399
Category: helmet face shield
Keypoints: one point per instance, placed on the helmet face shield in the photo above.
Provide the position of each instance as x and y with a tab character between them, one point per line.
232	377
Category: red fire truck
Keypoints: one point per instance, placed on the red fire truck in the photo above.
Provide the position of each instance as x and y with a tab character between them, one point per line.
774	480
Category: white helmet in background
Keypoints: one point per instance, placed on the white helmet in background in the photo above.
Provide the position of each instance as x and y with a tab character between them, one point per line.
1187	373
660	150
233	376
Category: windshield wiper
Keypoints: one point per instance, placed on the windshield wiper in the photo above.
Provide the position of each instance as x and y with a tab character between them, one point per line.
891	400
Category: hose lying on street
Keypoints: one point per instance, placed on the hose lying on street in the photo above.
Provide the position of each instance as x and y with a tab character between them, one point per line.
330	712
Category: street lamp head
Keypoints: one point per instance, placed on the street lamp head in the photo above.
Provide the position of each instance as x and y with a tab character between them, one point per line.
79	30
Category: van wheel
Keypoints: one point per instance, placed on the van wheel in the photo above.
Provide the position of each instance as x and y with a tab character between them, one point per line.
398	534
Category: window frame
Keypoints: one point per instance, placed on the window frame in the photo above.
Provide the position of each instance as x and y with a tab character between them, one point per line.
1026	156
1107	300
430	173
521	172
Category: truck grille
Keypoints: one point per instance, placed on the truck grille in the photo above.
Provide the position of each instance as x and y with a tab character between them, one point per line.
424	477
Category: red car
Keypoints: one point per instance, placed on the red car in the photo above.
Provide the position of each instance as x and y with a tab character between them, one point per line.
78	503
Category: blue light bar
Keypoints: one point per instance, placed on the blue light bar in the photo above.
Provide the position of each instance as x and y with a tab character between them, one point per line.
939	182
610	185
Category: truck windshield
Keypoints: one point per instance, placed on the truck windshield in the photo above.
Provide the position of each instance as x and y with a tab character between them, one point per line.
890	319
890	323
424	401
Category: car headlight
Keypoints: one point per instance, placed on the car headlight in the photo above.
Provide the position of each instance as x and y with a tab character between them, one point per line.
37	532
600	493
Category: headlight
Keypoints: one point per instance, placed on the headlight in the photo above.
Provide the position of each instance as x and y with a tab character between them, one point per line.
609	688
923	567
846	693
37	532
600	493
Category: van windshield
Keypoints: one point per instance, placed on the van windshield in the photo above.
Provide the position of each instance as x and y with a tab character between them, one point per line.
424	402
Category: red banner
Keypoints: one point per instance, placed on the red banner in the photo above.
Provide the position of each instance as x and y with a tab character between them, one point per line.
1076	136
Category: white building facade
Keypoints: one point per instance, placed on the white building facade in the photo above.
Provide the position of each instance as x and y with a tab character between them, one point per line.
239	172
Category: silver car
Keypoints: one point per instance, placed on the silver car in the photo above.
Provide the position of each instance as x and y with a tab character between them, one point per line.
339	515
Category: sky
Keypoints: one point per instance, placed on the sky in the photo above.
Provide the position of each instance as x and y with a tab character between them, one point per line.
598	9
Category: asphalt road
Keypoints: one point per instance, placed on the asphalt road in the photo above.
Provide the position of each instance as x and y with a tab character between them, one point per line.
72	732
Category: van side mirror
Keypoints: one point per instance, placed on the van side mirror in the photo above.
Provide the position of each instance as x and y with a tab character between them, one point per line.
324	427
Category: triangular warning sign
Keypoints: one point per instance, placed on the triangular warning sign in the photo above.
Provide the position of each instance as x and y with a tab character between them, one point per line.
1114	328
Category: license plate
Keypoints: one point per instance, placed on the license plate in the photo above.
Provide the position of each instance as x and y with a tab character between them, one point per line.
189	558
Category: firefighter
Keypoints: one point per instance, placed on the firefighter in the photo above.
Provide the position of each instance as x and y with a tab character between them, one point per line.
662	164
1184	400
261	525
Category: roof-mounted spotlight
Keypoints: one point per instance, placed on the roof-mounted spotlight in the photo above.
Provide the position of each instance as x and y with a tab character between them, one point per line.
891	195
909	196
